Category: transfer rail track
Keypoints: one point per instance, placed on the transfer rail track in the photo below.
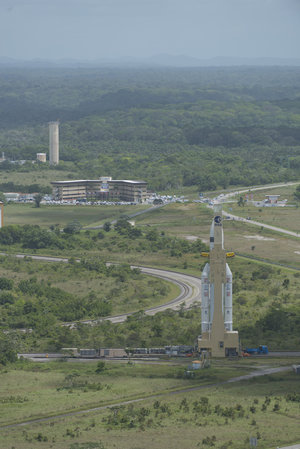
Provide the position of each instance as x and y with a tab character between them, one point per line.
145	358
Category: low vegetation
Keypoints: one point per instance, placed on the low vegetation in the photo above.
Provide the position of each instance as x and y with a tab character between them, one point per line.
254	408
40	295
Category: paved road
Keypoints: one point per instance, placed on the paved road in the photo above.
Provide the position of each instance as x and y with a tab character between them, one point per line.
295	446
264	187
135	214
190	289
257	223
228	195
256	373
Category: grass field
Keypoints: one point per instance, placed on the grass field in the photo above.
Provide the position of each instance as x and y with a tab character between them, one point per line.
281	217
220	416
65	386
46	216
39	175
193	221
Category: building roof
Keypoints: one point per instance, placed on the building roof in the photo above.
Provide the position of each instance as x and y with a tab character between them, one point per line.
128	180
77	181
74	181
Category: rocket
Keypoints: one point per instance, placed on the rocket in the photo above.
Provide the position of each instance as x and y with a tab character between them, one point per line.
216	283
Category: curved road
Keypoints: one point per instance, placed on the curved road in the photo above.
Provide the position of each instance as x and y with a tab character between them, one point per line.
190	289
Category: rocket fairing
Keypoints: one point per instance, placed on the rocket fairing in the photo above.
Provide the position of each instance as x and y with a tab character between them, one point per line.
209	279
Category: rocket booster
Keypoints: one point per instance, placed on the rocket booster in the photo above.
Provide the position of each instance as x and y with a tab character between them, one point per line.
205	300
228	299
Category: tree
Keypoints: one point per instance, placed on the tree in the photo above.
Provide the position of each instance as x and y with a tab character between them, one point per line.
100	367
73	227
241	201
122	226
107	226
37	199
297	193
129	352
8	352
286	283
2	198
6	284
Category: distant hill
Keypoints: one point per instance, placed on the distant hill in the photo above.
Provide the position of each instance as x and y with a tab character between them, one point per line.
162	60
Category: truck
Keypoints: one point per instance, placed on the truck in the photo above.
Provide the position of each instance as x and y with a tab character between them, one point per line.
261	349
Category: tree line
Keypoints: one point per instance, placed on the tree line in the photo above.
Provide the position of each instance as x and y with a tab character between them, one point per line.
171	127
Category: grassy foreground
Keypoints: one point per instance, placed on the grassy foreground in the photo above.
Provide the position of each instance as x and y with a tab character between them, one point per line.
61	215
220	416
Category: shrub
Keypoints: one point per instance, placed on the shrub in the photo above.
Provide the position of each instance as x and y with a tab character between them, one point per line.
100	367
6	298
6	284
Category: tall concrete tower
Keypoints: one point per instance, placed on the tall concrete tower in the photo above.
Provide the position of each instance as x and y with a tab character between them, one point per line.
216	310
53	143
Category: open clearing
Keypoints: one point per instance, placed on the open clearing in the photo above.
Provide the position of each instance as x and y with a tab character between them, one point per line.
194	220
39	176
219	416
46	216
259	237
282	217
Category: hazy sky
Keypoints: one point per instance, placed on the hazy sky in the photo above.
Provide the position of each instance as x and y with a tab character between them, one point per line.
95	29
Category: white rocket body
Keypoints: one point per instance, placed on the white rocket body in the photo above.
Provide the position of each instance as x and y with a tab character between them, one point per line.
207	307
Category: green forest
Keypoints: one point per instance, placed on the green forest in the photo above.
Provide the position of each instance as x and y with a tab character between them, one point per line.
204	127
